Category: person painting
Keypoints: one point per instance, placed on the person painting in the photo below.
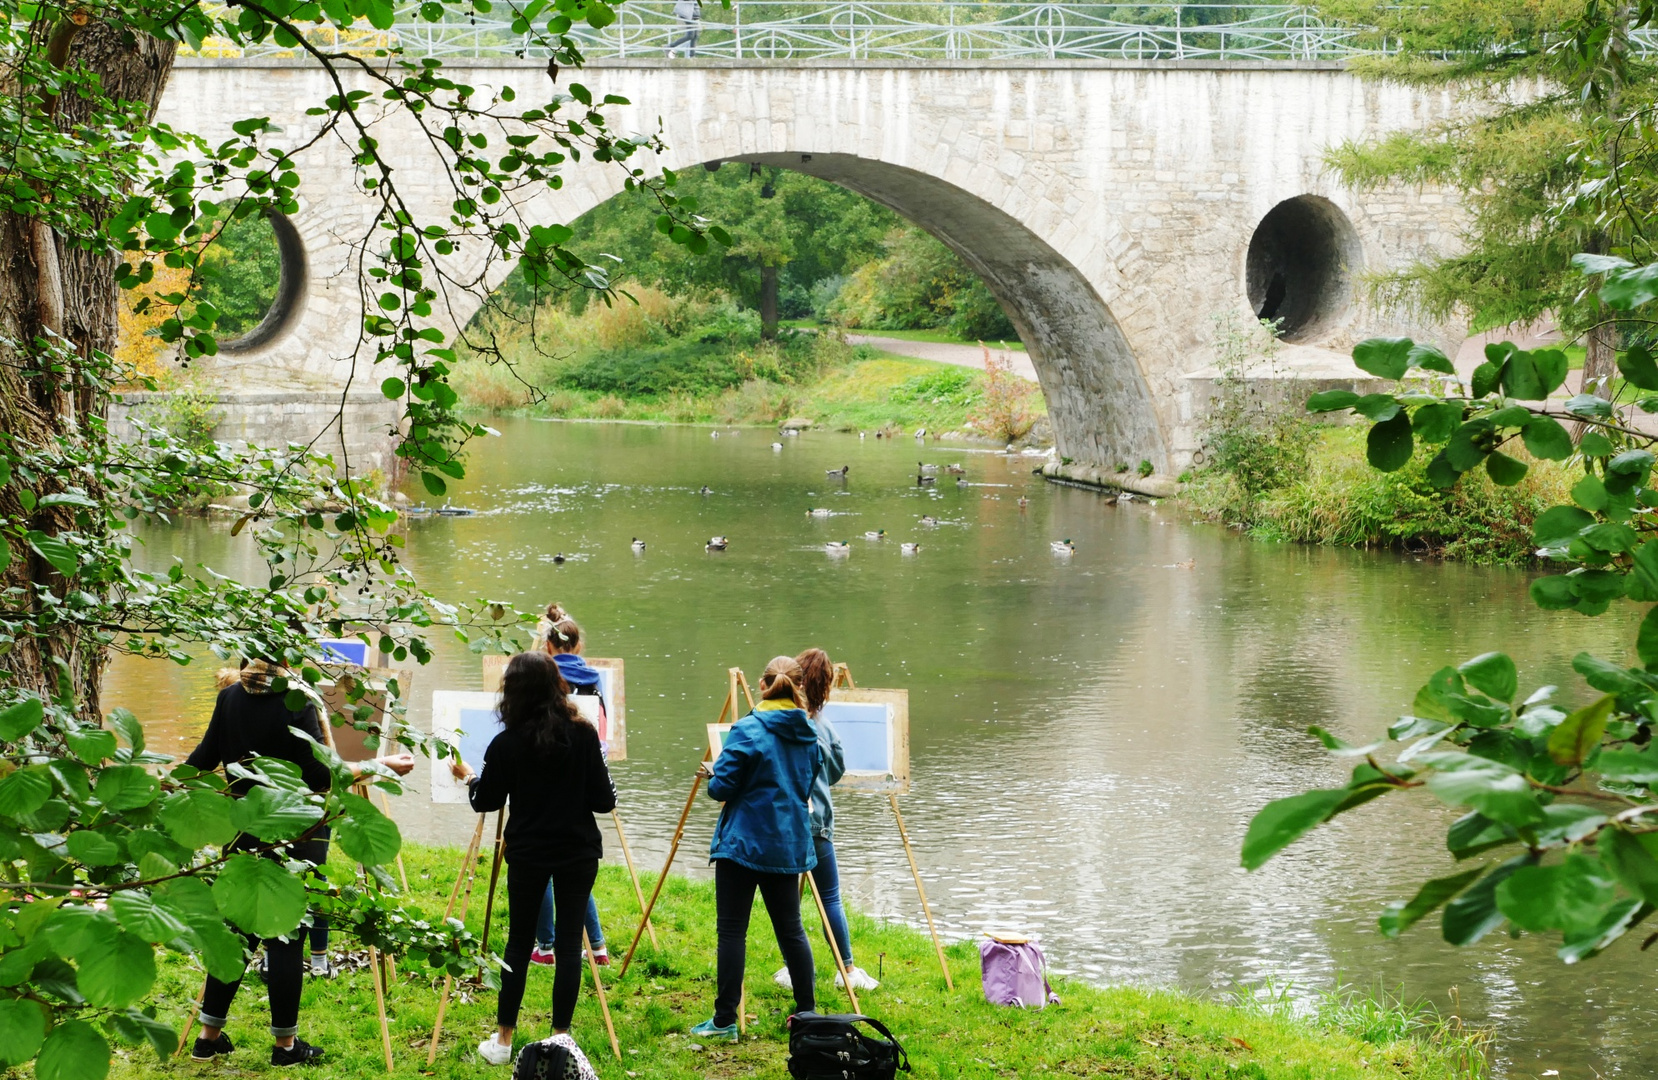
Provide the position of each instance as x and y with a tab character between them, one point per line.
763	839
817	676
250	719
561	638
688	15
548	764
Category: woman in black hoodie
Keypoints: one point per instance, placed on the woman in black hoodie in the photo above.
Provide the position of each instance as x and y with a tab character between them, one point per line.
548	764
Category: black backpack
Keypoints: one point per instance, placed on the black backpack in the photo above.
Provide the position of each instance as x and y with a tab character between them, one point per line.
834	1048
551	1059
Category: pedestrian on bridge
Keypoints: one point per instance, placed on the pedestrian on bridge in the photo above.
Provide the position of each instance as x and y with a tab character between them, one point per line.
688	13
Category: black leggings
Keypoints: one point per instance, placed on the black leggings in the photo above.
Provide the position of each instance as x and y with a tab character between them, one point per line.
526	885
734	886
284	963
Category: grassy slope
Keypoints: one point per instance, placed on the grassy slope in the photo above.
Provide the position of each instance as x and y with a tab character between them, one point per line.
853	397
1119	1032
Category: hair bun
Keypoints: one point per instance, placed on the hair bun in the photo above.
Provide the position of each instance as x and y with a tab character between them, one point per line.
555	612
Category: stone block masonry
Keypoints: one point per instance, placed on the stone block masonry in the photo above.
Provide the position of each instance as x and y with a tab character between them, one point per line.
1109	205
357	429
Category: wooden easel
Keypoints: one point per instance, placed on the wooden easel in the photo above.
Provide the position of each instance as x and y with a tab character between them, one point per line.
843	677
734	680
467	876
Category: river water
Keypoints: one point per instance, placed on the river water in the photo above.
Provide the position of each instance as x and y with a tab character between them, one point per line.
1089	733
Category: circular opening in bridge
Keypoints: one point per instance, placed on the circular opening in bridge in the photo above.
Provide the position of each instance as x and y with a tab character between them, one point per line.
254	273
1300	267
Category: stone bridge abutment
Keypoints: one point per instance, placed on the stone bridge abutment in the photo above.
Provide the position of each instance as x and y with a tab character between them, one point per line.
1112	207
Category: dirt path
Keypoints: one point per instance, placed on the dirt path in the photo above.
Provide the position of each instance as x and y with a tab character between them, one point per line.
961	355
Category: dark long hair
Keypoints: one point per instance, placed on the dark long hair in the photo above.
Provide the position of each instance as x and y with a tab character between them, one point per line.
817	675
534	699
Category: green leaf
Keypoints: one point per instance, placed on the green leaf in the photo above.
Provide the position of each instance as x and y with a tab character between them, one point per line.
147	920
1399	917
1630	861
1486	377
1496	790
1629	766
1430	358
1377	407
25	791
1388	447
1551	369
198	819
259	896
1283	821
1492	674
1474	914
1588	405
1520	378
22	1029
1619	918
127	726
1545	438
73	1051
1385	358
365	834
1581	731
118	976
1638	369
1331	400
1461	450
126	787
21	719
59	554
74	931
434	483
92	849
393	388
1435	423
1570	896
1559	523
1646	642
1504	470
272	814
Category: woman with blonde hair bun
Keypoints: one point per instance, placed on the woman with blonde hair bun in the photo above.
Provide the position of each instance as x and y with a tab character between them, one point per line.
763	839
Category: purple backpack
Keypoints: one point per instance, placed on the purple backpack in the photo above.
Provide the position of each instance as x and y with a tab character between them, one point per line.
1015	973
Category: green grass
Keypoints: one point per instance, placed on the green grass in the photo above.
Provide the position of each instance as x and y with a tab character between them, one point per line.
1122	1032
938	335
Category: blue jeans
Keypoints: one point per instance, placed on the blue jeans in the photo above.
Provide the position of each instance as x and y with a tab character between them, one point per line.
544	925
826	877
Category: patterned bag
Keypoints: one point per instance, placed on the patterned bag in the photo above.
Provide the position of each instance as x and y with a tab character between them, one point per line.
557	1058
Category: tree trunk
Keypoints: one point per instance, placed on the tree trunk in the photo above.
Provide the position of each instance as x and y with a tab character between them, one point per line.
44	281
1600	359
768	302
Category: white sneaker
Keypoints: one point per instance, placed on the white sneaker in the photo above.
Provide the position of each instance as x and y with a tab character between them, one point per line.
493	1052
782	979
861	979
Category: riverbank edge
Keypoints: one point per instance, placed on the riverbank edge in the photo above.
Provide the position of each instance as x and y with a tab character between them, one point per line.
1100	478
1121	1030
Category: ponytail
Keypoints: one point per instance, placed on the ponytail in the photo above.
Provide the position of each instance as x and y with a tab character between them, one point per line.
559	633
782	680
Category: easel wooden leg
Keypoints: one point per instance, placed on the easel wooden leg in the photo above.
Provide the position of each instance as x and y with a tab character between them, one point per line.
673	850
469	872
598	988
494	874
190	1024
402	874
742	1010
378	973
637	891
921	890
834	946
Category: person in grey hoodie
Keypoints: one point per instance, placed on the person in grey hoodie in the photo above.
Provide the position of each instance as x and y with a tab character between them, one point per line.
688	13
763	840
818	676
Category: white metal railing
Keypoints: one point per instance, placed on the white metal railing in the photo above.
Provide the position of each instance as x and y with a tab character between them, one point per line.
884	30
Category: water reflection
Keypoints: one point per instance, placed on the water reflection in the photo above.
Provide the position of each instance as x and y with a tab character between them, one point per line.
1090	734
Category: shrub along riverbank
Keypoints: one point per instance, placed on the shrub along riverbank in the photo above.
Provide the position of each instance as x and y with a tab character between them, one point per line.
682	360
1327	494
1121	1031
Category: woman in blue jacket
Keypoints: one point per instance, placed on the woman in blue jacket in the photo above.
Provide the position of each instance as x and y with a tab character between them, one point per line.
763	839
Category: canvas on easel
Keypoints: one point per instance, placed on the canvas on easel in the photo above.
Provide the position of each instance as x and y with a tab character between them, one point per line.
350	741
613	733
467	719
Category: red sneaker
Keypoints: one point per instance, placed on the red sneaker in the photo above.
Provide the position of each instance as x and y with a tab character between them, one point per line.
538	955
601	956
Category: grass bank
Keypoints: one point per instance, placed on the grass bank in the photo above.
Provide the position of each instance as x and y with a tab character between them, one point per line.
1121	1032
1332	496
680	360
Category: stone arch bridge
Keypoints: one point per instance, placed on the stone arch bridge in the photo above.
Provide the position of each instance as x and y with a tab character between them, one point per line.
1112	207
